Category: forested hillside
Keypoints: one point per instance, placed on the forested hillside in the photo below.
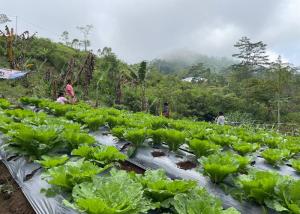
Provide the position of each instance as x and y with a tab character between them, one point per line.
253	89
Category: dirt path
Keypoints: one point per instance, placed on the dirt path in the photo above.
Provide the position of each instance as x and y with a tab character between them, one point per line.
12	200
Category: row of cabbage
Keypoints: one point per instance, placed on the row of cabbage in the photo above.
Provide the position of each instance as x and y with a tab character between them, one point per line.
73	162
222	150
203	138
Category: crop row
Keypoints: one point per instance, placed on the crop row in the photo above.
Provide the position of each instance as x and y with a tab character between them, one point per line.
72	162
202	138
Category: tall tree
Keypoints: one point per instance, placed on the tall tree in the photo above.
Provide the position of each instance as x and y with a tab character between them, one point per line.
251	53
75	43
142	76
281	74
85	30
253	61
65	37
10	37
4	19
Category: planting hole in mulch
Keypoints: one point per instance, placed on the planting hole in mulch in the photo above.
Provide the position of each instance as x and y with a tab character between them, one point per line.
29	176
129	167
12	200
186	165
158	153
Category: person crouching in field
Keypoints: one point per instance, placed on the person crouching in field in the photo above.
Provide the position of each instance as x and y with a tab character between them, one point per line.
70	92
61	99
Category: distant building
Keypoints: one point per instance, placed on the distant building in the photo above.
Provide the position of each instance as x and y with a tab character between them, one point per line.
194	79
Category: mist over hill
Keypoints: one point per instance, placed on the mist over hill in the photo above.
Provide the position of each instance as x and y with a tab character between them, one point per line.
175	61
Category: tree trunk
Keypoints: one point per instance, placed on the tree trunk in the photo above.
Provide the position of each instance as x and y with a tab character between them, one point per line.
118	93
278	113
143	107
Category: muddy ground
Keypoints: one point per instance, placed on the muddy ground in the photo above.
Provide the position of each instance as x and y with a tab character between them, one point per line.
12	199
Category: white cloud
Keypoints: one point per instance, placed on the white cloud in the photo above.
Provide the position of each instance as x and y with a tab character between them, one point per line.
143	29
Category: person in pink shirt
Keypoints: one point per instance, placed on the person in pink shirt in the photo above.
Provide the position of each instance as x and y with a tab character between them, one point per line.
69	89
70	92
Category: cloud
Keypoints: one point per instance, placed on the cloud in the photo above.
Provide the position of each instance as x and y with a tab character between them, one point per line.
143	29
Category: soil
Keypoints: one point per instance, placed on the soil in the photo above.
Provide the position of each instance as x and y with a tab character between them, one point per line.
14	202
158	153
129	167
186	165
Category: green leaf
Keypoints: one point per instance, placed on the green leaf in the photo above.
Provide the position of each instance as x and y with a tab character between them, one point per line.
259	185
72	173
273	156
136	136
111	195
219	166
203	147
52	161
160	188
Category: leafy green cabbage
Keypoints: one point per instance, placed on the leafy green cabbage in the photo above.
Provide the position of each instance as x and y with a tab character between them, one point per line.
72	173
52	161
102	154
203	147
116	194
199	202
162	189
218	166
274	156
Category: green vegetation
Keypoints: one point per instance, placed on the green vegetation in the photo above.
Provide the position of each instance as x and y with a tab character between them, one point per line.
52	161
72	173
244	148
236	90
49	140
250	90
218	166
280	193
111	194
101	154
199	202
160	189
274	156
203	147
296	165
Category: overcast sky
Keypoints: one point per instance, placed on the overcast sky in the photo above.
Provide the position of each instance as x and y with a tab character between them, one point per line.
147	29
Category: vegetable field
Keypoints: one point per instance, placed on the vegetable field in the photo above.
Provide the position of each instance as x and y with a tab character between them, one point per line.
188	167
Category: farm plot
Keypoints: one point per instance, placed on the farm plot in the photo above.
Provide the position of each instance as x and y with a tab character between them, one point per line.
250	165
216	146
83	175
